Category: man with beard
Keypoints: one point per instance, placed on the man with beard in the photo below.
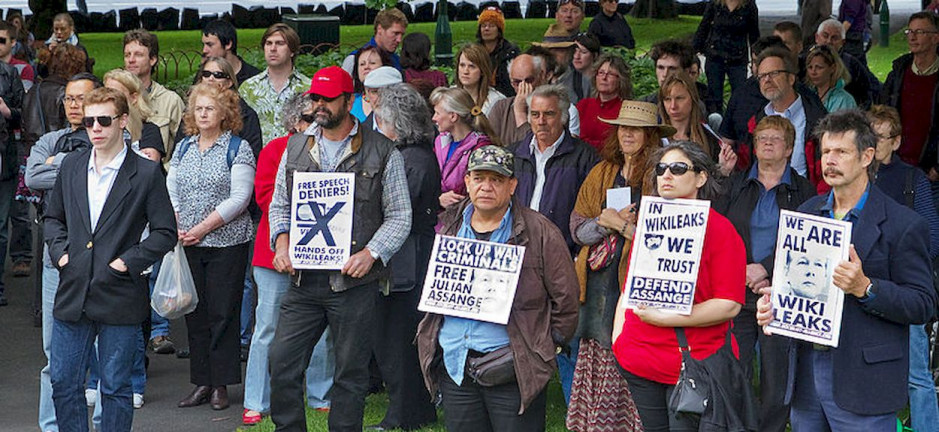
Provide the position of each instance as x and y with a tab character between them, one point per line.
776	73
343	299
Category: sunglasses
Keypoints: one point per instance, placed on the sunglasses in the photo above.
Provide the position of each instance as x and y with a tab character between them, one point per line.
104	121
217	75
309	118
3	40
677	168
316	98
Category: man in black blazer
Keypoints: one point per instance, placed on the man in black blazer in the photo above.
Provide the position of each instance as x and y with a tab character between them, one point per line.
102	201
861	384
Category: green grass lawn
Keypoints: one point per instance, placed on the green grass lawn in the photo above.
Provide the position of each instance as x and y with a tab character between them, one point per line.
376	405
107	49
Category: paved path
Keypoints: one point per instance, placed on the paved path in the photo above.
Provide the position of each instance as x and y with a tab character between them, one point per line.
21	357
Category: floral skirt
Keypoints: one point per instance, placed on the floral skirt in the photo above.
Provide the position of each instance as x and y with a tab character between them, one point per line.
600	398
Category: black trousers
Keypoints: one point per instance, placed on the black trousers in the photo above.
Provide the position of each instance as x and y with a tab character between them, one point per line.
305	313
470	407
774	369
651	400
409	404
214	326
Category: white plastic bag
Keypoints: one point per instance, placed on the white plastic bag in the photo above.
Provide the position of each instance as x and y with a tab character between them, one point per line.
174	293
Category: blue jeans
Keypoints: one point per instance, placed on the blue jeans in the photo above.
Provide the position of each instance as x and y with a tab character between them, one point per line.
247	301
566	364
71	344
159	326
50	284
138	378
319	374
924	409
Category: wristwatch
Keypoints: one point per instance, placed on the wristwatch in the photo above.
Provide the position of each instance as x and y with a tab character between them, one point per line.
868	291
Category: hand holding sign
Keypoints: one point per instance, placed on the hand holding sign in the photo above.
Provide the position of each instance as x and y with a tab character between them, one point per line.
849	275
653	316
282	255
764	310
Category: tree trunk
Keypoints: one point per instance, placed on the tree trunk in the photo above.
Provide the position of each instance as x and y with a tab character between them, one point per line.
659	9
43	12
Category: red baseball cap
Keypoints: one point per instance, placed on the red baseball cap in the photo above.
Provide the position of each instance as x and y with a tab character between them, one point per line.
331	82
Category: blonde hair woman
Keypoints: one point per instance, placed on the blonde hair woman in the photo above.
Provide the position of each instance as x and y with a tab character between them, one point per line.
144	135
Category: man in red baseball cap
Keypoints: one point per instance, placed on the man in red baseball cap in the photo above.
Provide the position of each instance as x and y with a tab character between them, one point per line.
342	299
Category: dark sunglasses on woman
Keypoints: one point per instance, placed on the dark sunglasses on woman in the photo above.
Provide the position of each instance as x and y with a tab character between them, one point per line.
677	168
216	74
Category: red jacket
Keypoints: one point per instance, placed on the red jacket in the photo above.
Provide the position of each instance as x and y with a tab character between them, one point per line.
264	179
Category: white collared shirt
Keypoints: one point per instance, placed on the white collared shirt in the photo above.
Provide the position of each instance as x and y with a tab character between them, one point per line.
99	185
541	160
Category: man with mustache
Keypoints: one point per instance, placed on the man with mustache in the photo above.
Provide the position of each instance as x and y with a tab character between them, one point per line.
887	282
344	300
777	71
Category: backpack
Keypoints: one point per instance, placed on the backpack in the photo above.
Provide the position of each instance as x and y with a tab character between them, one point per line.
233	145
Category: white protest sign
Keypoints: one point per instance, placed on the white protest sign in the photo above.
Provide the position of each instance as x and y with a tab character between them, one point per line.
806	304
619	198
321	220
666	253
472	279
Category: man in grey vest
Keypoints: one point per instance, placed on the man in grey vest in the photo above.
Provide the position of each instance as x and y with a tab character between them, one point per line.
344	300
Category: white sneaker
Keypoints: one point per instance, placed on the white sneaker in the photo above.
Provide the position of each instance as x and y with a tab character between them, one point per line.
138	400
91	396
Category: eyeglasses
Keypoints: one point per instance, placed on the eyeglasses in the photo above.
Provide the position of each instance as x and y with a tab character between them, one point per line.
216	74
516	82
316	98
104	121
919	32
309	118
771	74
677	168
769	138
3	40
605	74
74	99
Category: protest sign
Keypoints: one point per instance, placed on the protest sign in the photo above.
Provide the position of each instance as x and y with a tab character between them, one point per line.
806	304
321	220
666	254
472	279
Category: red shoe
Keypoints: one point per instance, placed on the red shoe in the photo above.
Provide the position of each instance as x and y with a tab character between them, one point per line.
250	420
322	409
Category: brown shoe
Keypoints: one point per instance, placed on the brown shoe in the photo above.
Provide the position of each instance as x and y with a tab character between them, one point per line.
219	398
22	269
199	396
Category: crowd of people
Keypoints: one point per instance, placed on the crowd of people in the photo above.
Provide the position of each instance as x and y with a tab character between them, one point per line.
521	149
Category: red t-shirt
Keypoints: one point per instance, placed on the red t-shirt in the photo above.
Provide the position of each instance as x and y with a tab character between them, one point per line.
652	352
264	178
591	110
25	70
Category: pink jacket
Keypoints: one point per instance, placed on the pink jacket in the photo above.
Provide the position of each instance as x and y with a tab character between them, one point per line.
453	170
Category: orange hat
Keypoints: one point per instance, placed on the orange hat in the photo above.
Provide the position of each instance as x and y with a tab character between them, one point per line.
493	15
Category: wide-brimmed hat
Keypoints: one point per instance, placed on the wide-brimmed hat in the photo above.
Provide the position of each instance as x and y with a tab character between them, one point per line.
555	37
640	114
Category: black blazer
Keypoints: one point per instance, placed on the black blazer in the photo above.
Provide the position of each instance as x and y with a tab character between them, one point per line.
88	285
871	363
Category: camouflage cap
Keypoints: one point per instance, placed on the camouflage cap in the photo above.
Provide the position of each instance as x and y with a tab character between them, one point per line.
492	158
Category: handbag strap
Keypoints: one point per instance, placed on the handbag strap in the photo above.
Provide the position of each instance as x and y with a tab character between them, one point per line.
683	339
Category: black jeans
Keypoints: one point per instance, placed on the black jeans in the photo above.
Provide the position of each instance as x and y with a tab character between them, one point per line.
409	404
470	407
304	314
213	328
774	368
651	399
715	70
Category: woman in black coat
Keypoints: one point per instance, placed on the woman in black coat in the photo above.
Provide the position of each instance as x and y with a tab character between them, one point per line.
724	36
403	116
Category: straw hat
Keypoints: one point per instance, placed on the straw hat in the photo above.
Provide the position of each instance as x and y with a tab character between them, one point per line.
555	37
640	114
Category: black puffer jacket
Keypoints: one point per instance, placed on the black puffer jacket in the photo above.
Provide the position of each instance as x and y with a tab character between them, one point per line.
723	35
500	57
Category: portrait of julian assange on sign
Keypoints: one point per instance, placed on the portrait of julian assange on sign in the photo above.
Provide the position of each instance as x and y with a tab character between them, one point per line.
807	305
472	279
321	220
666	254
